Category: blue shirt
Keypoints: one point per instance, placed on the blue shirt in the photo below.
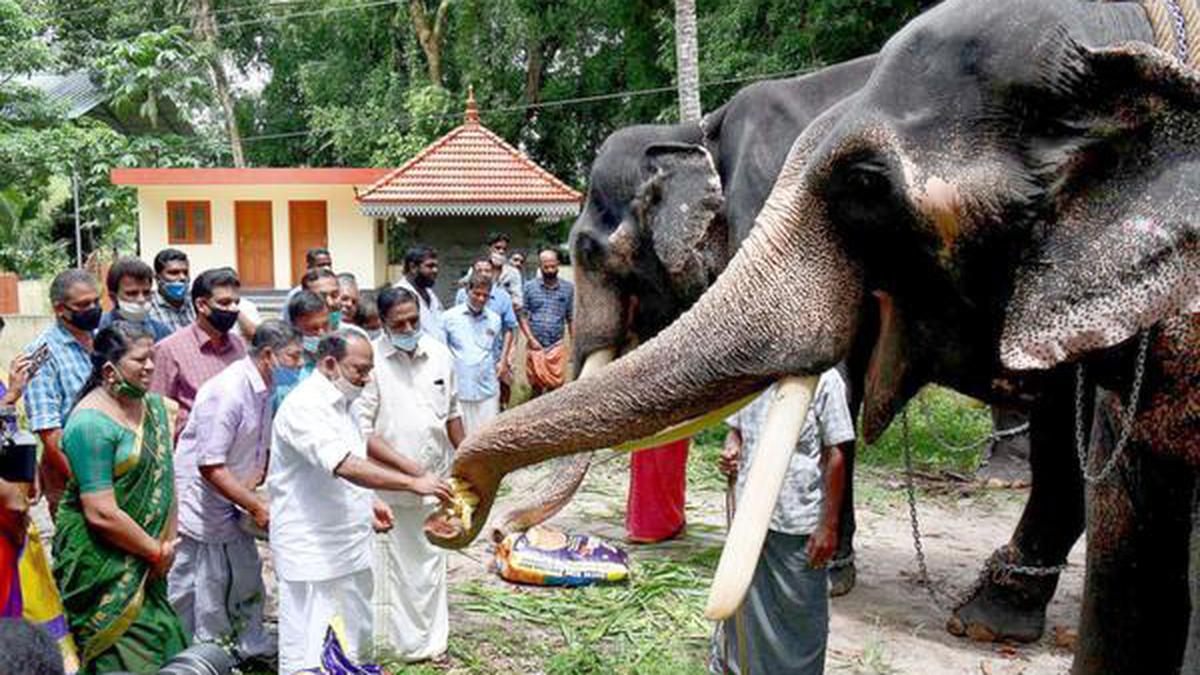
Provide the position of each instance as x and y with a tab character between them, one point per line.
53	389
471	338
160	330
549	309
501	303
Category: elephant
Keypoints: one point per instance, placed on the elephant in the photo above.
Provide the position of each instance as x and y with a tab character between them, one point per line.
640	264
1015	191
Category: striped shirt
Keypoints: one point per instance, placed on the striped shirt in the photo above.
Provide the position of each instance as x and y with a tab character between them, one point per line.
171	316
52	391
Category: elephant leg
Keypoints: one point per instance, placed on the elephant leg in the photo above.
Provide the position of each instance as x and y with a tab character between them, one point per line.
1008	457
1191	656
1011	605
842	572
1135	605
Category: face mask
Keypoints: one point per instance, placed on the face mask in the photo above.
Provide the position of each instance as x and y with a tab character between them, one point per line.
222	319
86	320
133	311
350	390
405	341
127	389
550	276
284	376
335	320
310	343
175	291
423	281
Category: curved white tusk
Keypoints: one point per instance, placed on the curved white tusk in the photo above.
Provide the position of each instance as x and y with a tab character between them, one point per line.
739	557
597	360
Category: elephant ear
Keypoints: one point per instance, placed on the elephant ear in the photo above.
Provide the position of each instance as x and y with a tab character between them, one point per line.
1124	252
680	204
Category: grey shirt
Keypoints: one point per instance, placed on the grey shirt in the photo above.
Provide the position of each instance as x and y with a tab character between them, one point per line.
828	423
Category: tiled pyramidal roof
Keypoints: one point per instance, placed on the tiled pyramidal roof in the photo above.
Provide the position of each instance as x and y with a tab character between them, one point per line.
470	172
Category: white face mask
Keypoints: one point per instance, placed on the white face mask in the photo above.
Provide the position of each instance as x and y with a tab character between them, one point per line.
133	311
349	390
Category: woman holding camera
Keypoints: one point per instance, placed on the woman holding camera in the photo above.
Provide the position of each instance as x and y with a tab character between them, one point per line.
115	536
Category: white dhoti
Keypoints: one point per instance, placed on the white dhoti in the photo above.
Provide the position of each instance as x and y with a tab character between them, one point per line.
217	591
412	617
478	413
307	607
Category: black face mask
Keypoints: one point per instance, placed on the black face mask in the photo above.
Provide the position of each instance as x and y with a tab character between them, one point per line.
87	319
423	281
222	319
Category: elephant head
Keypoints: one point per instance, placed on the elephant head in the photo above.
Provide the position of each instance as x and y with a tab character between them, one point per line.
1017	182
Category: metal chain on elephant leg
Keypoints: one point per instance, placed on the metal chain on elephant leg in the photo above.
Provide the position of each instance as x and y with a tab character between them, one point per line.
911	490
1127	415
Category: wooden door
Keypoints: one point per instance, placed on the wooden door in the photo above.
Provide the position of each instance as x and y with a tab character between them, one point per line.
255	245
309	229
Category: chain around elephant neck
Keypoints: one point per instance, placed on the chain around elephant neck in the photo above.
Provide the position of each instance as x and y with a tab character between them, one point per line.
1127	415
1176	28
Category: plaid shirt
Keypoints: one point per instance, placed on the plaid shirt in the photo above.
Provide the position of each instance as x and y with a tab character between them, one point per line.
548	309
53	389
171	316
188	359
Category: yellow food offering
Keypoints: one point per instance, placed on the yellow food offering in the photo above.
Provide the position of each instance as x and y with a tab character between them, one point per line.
463	504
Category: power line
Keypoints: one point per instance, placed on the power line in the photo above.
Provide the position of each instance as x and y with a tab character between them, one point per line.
559	103
135	4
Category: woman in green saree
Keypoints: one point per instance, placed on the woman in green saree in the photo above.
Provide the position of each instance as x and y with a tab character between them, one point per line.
115	533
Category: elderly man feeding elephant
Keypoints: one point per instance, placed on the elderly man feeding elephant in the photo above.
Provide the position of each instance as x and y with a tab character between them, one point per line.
783	624
1009	206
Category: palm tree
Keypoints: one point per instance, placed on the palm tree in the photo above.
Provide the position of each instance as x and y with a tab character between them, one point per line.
687	60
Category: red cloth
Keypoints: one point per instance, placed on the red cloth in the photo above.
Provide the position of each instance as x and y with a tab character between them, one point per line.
657	492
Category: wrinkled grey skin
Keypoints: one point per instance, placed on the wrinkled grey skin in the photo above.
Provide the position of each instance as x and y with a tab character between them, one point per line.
1032	166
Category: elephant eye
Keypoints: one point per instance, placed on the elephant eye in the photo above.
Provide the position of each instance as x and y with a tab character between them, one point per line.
867	181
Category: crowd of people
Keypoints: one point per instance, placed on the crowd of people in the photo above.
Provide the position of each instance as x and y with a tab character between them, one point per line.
178	428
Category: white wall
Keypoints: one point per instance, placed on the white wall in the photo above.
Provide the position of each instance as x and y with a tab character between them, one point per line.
351	235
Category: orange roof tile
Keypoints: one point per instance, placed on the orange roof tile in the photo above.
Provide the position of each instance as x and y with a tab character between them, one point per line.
470	171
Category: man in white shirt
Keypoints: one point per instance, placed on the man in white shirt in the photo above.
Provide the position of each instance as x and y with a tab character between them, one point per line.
411	403
420	274
320	482
785	616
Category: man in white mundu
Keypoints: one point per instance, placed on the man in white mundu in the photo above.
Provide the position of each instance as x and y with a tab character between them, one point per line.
322	473
411	404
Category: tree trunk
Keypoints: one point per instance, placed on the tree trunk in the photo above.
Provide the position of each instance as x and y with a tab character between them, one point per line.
206	31
687	60
430	35
541	54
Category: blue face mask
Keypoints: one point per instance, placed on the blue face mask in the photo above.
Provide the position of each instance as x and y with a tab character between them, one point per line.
405	341
310	342
284	376
335	320
175	291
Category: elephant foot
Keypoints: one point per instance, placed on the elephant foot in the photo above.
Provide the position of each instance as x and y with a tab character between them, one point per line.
842	579
1006	604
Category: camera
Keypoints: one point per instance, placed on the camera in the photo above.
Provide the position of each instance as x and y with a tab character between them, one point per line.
18	449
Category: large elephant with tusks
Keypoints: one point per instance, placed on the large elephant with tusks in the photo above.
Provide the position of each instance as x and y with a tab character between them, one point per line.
1017	189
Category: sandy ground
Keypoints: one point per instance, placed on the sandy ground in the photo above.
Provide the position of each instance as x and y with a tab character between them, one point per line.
887	624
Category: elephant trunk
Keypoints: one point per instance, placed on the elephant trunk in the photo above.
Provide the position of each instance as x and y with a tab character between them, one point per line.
786	305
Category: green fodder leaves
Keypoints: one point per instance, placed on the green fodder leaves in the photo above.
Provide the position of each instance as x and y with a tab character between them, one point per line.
653	624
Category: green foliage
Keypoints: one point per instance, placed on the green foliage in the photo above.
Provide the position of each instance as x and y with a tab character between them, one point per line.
142	72
937	418
26	245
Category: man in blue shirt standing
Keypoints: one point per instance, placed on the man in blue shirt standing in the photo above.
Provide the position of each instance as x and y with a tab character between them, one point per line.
549	309
470	331
501	303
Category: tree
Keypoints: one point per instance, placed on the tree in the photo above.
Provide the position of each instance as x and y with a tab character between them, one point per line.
431	31
687	60
205	26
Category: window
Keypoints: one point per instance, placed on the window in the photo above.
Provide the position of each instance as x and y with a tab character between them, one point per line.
189	223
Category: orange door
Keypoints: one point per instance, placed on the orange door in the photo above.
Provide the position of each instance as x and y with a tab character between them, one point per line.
255	246
309	229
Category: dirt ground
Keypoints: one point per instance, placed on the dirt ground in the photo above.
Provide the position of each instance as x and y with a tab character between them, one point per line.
887	624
